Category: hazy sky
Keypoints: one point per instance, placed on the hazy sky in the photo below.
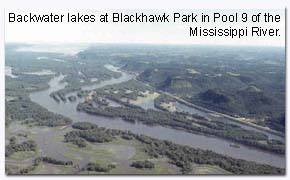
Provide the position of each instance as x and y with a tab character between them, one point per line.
161	33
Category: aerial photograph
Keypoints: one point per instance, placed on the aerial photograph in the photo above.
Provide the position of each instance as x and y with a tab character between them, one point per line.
143	108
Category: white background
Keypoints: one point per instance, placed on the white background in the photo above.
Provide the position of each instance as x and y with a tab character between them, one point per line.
150	33
124	4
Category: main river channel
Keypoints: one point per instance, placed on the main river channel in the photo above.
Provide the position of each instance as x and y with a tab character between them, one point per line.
218	145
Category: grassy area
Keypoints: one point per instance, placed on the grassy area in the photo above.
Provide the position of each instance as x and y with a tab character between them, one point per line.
139	153
45	168
208	169
23	155
72	156
14	168
160	168
89	149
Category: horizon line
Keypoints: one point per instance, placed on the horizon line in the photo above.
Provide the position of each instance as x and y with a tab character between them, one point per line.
142	43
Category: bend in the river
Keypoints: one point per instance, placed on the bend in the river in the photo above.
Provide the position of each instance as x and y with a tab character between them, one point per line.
218	145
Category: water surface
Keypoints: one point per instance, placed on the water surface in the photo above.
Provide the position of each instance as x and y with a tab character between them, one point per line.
218	145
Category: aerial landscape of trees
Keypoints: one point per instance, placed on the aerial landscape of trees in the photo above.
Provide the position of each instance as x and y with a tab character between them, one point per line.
22	109
240	82
13	147
98	167
184	156
252	88
153	117
143	164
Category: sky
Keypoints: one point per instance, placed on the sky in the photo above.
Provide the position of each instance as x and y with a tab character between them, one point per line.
151	33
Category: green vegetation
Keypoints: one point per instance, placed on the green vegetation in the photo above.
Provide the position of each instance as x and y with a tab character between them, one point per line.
94	135
181	121
22	109
240	81
13	147
208	169
184	156
23	155
39	160
122	93
84	126
143	164
99	168
52	161
277	123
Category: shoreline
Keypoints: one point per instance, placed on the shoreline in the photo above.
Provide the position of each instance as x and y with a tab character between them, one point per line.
277	133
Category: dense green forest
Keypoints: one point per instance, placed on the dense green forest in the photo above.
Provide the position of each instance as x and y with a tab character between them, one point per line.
247	82
22	109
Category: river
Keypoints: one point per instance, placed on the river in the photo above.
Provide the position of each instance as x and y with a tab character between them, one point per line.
181	107
218	145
